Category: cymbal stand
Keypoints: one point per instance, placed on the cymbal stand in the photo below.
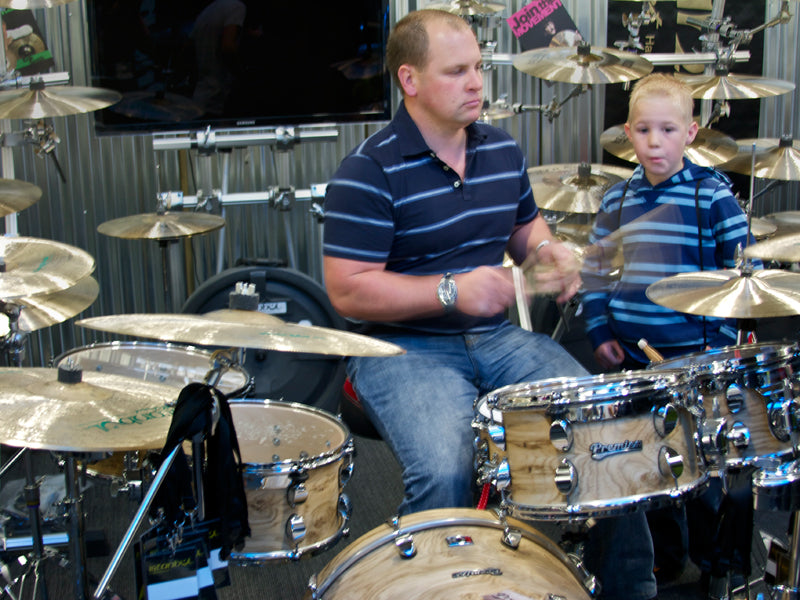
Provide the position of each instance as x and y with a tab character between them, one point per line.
633	23
552	109
284	197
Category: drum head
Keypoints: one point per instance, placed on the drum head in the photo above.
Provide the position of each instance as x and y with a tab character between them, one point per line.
310	379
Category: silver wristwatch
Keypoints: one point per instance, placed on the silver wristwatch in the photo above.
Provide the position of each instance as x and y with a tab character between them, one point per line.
447	292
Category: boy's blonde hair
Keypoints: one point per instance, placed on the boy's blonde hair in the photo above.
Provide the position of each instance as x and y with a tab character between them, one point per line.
664	86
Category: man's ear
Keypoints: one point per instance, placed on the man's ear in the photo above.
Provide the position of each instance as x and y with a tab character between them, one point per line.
407	75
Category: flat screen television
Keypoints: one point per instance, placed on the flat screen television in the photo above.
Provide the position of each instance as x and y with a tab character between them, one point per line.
292	63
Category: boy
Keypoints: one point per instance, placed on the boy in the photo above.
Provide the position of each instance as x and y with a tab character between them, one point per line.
670	217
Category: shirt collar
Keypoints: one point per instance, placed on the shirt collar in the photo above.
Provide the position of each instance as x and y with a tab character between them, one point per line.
411	141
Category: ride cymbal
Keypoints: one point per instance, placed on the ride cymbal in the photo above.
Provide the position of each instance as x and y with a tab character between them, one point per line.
466	8
158	226
734	87
730	293
774	159
243	329
709	148
101	412
45	310
17	195
573	188
583	64
38	101
35	266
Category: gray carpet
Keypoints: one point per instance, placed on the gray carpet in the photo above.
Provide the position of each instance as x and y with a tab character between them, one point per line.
374	490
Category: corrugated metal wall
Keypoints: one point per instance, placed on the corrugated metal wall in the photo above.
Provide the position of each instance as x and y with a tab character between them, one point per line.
112	177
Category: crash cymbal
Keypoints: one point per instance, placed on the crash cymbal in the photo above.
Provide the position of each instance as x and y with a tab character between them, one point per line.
466	8
583	64
158	106
730	293
45	310
709	148
157	226
783	248
243	329
17	195
774	159
734	87
99	413
35	266
761	228
23	4
38	101
573	188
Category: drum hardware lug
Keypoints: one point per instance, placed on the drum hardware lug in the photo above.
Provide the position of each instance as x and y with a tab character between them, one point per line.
297	492
497	433
589	581
345	509
665	419
312	586
566	477
555	597
739	435
502	476
405	545
734	398
561	435
458	540
781	417
346	470
714	437
511	537
670	463
295	528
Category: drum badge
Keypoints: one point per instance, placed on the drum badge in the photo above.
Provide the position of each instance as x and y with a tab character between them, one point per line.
600	451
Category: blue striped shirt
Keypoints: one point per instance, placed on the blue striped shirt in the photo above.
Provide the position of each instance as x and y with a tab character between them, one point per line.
393	201
659	230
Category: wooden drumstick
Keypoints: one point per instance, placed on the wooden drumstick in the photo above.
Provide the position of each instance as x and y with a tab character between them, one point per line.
651	353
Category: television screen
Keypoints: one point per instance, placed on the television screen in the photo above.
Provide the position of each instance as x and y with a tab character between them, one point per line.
184	65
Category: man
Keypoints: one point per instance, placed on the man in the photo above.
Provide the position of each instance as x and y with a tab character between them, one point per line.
417	221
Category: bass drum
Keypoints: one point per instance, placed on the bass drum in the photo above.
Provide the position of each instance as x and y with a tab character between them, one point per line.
310	379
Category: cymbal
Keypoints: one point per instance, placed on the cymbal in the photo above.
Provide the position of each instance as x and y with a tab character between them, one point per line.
785	221
36	266
158	106
102	412
157	226
243	329
573	188
709	148
734	87
496	110
730	293
761	228
583	64
44	310
783	248
54	101
466	8
17	195
774	159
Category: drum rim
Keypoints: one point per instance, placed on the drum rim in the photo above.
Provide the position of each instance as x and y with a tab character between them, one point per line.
458	516
783	351
288	465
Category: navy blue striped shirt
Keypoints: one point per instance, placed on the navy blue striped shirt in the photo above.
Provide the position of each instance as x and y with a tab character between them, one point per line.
393	200
659	232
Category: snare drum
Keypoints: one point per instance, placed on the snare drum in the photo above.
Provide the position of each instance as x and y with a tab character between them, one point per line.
169	364
452	553
748	394
592	446
296	462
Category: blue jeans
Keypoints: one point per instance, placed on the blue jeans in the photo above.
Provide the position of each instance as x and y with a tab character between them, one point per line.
422	404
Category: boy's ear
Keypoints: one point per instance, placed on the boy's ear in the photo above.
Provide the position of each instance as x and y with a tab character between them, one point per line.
692	133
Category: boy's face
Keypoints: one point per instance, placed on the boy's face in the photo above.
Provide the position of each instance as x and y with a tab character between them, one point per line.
659	132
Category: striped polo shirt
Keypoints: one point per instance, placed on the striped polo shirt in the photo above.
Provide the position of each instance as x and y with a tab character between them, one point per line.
660	237
393	201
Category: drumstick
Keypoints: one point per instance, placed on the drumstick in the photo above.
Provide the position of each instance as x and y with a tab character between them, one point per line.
653	354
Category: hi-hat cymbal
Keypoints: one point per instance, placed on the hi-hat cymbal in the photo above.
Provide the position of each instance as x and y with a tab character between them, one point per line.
466	8
38	102
583	64
573	188
709	148
774	159
734	87
730	293
157	226
17	195
783	248
35	266
243	329
101	412
45	310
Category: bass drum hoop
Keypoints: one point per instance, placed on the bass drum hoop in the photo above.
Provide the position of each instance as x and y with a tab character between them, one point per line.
293	297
